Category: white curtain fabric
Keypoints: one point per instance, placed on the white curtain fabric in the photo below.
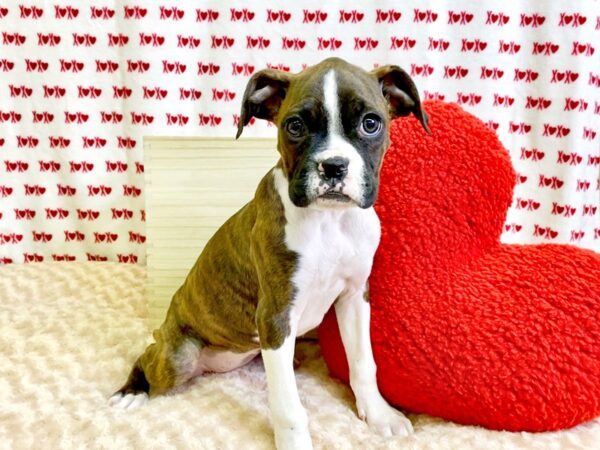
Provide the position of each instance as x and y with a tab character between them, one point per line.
81	83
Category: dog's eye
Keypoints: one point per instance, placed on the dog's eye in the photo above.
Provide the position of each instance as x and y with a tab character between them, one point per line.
294	127
370	125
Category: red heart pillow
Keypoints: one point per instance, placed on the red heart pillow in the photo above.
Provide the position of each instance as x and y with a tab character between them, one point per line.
464	327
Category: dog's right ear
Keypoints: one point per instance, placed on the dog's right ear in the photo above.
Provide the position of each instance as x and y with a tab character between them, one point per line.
263	96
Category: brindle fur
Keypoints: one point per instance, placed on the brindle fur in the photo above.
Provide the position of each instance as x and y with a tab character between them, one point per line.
240	287
231	292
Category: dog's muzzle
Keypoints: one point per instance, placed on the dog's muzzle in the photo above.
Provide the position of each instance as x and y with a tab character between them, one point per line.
333	170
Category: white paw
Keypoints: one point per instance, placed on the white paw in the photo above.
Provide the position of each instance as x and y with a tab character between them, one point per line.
384	419
293	439
129	401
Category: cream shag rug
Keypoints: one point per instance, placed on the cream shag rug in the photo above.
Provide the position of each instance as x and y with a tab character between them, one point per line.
69	333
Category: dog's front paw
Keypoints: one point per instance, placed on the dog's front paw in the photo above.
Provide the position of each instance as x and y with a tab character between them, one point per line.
293	439
384	419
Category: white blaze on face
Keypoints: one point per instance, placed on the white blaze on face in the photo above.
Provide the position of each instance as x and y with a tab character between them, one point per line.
337	146
330	96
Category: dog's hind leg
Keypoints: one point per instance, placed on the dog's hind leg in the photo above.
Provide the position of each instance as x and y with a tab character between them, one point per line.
171	361
134	393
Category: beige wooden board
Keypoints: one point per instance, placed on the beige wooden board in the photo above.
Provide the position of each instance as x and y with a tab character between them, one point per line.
193	185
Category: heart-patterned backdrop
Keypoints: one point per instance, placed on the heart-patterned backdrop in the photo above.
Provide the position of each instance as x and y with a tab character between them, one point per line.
81	83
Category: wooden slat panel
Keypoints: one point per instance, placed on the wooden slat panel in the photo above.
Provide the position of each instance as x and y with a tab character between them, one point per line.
193	185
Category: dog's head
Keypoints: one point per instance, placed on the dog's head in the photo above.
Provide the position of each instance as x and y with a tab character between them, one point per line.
332	121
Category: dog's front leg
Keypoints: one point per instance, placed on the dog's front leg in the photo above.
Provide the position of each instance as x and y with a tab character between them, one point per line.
289	418
353	315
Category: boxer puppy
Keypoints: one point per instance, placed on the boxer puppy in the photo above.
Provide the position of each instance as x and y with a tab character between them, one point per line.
305	242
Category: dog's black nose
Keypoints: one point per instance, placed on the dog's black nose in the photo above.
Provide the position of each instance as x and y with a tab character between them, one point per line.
334	168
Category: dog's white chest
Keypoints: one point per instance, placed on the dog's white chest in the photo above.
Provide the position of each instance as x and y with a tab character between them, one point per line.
335	253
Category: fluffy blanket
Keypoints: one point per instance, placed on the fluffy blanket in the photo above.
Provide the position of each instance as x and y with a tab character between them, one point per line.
69	333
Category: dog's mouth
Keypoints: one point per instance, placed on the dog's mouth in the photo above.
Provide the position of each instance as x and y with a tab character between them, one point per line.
335	196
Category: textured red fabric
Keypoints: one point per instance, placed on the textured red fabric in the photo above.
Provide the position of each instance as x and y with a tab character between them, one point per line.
464	327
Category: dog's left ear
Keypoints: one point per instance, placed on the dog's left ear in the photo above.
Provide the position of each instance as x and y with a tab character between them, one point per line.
401	93
263	96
